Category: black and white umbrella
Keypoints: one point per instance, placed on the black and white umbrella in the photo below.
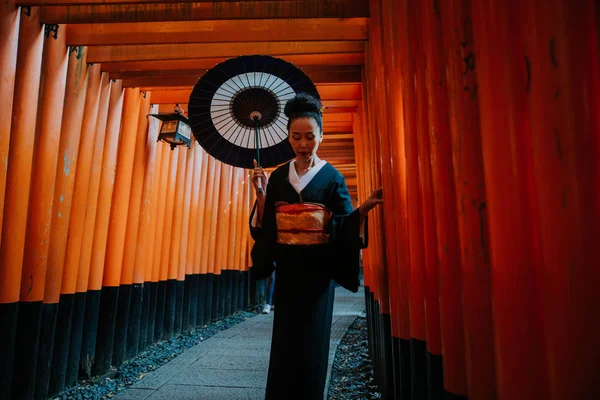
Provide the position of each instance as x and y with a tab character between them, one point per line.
236	109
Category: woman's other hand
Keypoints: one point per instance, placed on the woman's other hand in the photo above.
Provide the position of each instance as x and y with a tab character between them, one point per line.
259	179
374	200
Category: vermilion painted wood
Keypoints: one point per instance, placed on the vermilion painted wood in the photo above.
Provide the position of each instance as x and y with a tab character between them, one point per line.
155	52
83	258
212	218
133	272
502	65
432	311
66	170
229	32
19	165
82	176
37	277
471	203
182	11
209	204
415	222
190	169
114	274
9	30
159	269
106	188
176	237
204	174
377	73
561	44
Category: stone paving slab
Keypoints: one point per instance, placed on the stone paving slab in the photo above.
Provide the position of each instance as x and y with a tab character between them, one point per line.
233	364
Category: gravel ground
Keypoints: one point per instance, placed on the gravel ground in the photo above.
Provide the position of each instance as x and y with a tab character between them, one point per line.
352	372
156	355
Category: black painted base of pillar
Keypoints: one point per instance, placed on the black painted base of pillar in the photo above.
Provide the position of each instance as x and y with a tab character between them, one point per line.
8	333
187	301
26	349
152	313
209	300
418	360
179	294
61	343
107	319
121	325
90	332
435	377
201	308
159	321
75	344
193	302
169	318
44	363
135	320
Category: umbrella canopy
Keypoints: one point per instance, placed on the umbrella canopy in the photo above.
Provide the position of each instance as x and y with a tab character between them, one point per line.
236	109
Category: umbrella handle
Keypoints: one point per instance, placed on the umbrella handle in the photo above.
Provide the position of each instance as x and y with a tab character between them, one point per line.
256	119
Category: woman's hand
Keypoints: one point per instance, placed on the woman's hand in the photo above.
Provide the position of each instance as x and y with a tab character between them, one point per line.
259	180
374	200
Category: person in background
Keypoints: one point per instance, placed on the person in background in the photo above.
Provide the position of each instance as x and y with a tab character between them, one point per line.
304	222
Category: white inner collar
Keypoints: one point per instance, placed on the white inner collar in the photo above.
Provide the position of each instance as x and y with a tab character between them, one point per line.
300	183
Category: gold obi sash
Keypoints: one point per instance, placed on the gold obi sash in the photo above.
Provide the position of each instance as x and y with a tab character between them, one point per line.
302	224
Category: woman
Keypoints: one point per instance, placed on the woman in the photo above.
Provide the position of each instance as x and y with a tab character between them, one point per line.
304	222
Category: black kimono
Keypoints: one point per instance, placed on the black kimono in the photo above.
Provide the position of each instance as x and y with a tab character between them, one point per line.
304	289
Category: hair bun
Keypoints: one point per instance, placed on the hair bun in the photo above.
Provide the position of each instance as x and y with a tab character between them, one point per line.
302	103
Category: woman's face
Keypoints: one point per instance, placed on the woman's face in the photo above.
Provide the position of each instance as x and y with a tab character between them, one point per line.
305	137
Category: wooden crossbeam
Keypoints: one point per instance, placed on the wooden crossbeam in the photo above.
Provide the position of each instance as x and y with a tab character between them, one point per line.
118	2
196	11
347	74
330	95
300	60
102	54
249	31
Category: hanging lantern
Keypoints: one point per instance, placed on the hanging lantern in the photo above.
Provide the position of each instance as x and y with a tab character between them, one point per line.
175	128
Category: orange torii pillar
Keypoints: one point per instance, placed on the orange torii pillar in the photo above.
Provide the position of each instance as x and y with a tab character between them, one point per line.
159	270
66	279
502	76
471	199
142	274
97	87
116	291
235	232
564	100
97	355
165	273
222	241
192	267
432	311
173	245
210	232
146	236
231	243
9	31
450	289
403	36
132	274
376	94
180	309
401	331
79	251
16	199
201	238
185	266
36	270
